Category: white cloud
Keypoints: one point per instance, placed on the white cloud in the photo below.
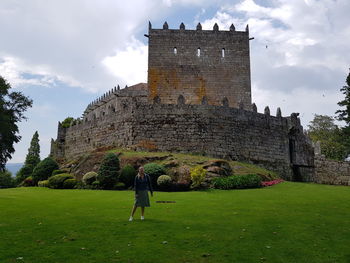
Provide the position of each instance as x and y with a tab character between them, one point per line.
129	65
300	55
307	102
69	39
21	74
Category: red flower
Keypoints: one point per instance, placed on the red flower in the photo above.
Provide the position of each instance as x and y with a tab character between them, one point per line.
269	183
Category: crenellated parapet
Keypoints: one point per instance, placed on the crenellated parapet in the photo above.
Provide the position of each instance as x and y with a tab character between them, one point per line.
220	131
198	28
108	102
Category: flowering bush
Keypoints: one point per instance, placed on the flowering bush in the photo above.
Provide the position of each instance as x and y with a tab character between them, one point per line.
198	174
164	182
269	183
27	182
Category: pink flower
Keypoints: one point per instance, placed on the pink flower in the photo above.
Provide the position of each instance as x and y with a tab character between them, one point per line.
269	183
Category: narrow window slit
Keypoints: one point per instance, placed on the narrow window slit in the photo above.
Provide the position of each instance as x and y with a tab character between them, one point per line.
198	52
175	50
223	52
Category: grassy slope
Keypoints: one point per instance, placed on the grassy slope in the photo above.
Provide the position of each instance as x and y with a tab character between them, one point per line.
238	168
289	222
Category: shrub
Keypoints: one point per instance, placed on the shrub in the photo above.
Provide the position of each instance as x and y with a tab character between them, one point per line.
24	172
58	172
89	178
127	175
27	182
67	122
180	186
79	185
198	174
6	180
70	183
238	182
164	182
44	183
44	169
154	171
96	185
119	186
57	180
108	172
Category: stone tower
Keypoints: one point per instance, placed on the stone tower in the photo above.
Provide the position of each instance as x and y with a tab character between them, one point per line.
199	66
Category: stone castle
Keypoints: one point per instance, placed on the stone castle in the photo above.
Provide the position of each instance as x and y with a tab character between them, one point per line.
197	100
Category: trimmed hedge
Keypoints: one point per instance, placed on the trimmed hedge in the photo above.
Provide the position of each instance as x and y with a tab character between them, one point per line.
154	170
70	183
58	172
89	178
237	182
108	172
44	169
119	186
127	175
44	183
164	182
57	181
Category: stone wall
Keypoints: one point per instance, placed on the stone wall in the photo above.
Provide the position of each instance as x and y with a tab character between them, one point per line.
209	66
217	131
331	171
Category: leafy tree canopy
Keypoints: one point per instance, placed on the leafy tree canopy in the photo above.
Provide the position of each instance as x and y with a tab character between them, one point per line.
323	129
12	107
344	114
67	121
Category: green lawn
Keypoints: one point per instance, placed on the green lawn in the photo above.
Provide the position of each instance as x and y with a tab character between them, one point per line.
289	222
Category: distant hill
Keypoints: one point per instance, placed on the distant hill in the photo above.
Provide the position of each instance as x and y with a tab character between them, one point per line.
13	167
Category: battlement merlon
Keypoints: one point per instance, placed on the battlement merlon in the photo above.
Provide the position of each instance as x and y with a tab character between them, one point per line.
182	29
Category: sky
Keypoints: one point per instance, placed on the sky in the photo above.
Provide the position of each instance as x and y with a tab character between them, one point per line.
64	54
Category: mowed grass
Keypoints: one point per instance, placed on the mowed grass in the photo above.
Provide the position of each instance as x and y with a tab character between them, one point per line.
289	222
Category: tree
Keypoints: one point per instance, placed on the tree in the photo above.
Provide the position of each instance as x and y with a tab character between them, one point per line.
6	180
33	155
108	172
32	159
323	129
344	114
12	106
67	122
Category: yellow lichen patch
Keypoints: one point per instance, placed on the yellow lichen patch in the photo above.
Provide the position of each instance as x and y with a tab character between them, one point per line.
147	145
201	91
174	81
153	80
